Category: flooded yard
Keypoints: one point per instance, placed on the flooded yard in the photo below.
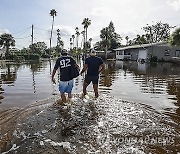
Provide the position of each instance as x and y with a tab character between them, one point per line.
138	111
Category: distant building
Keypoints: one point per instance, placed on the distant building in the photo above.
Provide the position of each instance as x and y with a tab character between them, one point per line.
110	54
144	52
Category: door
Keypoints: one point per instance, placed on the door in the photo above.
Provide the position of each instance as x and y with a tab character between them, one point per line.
142	55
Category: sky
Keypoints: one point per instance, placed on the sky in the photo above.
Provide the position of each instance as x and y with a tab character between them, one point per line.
128	16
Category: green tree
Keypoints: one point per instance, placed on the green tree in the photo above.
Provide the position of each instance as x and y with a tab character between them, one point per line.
140	39
157	32
110	39
53	13
175	38
86	22
98	45
115	41
38	48
24	50
6	40
60	43
136	40
60	46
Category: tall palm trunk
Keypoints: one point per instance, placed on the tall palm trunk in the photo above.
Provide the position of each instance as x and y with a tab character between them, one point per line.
51	32
73	43
77	42
86	34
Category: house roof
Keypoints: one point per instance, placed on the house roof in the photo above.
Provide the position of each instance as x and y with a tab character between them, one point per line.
140	46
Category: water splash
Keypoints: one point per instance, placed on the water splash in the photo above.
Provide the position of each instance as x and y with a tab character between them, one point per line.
89	125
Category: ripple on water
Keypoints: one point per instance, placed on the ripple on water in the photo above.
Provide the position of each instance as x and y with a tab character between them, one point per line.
103	125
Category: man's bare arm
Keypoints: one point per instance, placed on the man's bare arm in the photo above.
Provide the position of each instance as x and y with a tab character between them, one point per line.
77	66
52	78
84	69
101	68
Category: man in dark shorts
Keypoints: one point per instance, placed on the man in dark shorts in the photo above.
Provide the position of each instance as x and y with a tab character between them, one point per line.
66	83
94	65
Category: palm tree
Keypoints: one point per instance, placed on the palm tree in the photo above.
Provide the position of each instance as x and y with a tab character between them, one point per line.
70	42
86	22
106	38
175	38
73	37
77	36
137	39
90	40
127	39
6	40
53	13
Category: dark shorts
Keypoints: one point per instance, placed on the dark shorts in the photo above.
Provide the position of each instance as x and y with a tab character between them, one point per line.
93	79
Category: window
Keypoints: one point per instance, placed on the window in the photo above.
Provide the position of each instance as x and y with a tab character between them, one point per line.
166	52
177	53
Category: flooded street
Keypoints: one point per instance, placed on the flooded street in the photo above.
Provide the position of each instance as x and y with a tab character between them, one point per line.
138	111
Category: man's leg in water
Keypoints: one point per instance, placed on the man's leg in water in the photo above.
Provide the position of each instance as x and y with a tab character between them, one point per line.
63	97
70	95
69	89
84	88
95	87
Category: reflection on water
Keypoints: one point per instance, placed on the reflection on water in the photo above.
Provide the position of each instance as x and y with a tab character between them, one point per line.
124	119
157	85
154	84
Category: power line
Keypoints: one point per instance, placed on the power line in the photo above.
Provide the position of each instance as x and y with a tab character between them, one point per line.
42	29
22	34
52	32
21	31
22	37
35	39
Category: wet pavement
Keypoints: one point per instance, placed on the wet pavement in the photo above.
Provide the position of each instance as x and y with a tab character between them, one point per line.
102	126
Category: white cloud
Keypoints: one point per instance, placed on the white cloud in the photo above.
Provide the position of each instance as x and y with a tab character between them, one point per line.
128	17
4	31
175	4
64	30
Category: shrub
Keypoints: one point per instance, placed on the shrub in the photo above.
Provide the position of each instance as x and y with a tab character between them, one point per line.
153	59
31	57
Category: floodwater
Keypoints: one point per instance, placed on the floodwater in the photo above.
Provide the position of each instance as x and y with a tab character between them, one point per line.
138	110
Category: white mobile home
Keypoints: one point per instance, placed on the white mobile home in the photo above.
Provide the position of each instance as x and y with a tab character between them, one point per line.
161	51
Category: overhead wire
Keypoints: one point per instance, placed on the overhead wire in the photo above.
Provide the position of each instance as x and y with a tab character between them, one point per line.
22	37
52	32
24	31
21	31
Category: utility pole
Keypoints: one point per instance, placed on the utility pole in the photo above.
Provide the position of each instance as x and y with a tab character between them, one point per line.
32	34
107	41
